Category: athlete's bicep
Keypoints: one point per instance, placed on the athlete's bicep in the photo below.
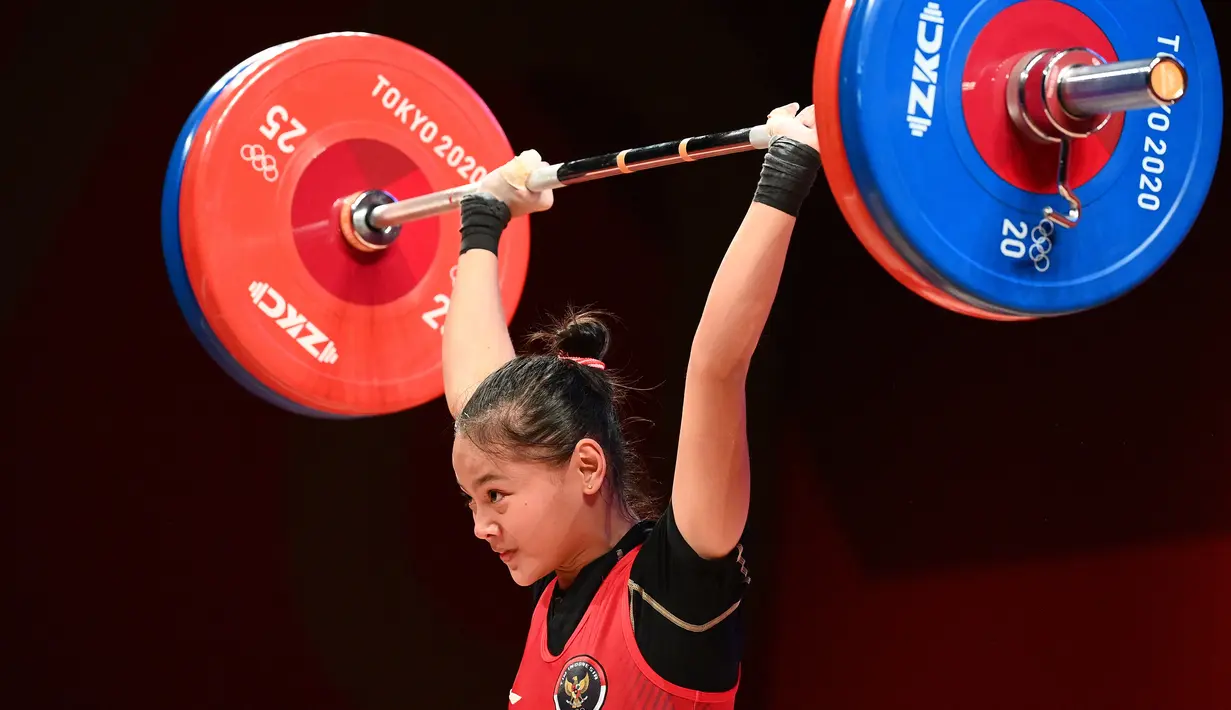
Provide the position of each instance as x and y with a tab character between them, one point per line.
695	587
685	610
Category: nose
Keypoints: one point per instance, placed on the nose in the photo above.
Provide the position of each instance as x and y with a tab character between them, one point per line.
484	526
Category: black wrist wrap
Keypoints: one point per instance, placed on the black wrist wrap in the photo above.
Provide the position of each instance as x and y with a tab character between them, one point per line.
787	174
483	219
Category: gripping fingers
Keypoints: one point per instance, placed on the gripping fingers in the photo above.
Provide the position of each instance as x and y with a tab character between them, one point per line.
787	111
517	171
808	116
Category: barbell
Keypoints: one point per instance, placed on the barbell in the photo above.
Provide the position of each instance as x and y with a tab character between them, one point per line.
1004	159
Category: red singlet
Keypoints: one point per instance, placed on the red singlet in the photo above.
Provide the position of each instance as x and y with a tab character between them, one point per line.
600	667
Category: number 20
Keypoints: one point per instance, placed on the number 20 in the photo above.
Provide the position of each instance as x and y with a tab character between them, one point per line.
1014	246
272	126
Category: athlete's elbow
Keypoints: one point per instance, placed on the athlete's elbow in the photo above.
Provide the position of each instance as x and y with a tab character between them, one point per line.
716	547
455	406
722	366
456	392
717	537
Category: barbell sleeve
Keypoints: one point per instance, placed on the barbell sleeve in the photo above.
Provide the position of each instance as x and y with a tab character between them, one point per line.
1122	86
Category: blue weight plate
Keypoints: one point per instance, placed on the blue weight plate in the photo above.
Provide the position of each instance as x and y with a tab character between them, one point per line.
173	255
948	212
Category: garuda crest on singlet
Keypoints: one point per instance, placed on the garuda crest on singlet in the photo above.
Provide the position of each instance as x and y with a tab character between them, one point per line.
582	685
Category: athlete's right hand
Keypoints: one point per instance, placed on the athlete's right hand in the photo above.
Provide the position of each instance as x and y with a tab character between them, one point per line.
508	184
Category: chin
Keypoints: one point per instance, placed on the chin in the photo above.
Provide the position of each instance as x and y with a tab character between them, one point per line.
524	576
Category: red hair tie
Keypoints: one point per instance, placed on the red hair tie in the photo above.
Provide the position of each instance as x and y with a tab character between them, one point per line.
587	361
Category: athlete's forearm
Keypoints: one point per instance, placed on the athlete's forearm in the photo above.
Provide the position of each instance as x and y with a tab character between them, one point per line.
742	293
476	337
747	281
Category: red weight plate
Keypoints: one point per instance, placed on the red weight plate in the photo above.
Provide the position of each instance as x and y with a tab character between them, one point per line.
324	325
842	181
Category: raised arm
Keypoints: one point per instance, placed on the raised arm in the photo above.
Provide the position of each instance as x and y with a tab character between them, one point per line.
710	492
476	339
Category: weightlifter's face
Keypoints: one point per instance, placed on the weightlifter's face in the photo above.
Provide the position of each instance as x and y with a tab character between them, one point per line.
523	510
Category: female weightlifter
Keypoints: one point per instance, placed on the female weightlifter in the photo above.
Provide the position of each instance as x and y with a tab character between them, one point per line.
630	611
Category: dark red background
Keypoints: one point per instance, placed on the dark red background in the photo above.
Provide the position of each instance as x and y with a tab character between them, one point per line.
947	513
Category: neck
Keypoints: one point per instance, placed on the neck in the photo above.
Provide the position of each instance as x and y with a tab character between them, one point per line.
596	541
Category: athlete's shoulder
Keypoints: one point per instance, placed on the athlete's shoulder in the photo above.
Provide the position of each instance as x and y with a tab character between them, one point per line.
667	558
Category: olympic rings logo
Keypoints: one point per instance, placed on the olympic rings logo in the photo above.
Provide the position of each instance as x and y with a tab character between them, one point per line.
1040	237
254	154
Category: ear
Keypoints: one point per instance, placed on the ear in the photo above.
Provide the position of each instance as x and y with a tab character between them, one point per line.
590	465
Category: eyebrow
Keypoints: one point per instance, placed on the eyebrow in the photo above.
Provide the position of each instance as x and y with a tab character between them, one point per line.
484	480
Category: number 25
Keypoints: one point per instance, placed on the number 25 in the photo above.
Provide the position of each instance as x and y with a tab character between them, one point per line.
431	316
272	126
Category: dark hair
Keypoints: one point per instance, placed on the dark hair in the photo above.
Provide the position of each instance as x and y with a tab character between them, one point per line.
537	406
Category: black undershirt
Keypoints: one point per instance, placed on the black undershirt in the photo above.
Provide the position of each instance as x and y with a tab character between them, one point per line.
693	589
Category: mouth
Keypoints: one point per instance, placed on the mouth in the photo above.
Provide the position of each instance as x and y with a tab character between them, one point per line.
507	555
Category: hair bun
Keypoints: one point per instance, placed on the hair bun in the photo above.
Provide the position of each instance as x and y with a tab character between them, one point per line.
577	334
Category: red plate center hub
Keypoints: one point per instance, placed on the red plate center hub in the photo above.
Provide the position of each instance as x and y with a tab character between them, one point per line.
369	279
1020	160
